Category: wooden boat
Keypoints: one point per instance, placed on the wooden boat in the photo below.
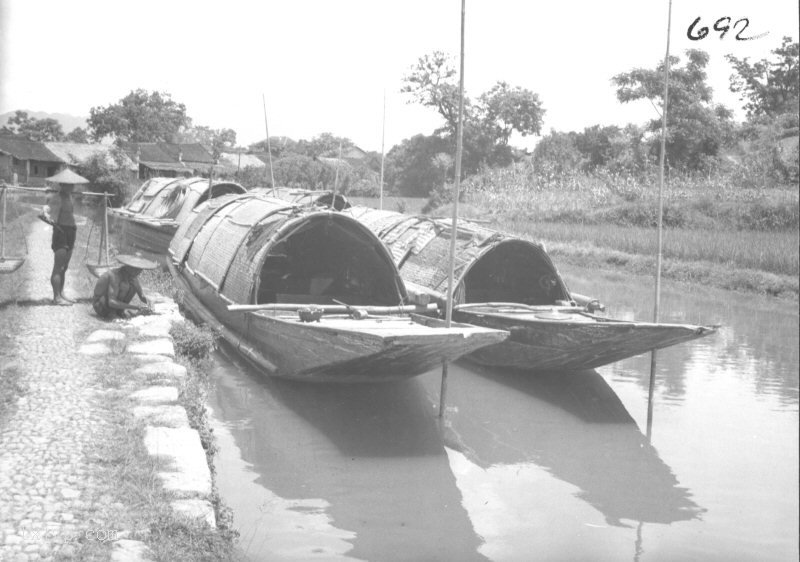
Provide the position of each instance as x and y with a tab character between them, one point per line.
511	284
274	278
151	218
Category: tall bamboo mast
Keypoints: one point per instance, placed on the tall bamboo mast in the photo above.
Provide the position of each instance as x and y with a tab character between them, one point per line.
269	148
383	153
454	229
662	157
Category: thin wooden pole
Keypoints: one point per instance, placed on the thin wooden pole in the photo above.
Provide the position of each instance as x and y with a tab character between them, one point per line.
336	177
383	154
105	225
102	238
656	311
3	225
456	186
269	147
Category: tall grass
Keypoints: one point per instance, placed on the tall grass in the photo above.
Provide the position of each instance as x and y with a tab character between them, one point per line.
605	198
775	252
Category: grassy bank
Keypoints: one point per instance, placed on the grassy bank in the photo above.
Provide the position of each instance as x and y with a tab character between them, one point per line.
132	472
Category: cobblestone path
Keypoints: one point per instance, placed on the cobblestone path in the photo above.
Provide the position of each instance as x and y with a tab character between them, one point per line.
51	491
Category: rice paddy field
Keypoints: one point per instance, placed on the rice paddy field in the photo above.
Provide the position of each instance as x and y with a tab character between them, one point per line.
774	252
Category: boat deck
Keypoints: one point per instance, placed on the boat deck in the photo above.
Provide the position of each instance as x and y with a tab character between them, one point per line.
383	326
537	314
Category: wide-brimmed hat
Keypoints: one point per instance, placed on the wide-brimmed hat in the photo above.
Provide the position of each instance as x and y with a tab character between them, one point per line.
67	176
136	261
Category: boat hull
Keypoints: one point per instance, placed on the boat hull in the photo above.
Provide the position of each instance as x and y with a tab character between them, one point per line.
141	234
338	348
560	341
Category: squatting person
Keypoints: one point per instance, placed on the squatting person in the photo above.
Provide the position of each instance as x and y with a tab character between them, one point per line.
116	288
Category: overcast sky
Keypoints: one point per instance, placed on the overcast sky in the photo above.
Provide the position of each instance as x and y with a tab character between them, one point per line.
324	65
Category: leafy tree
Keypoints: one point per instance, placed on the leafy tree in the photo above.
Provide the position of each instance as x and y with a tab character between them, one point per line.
214	140
410	167
79	135
504	109
628	151
42	130
280	146
769	87
443	162
697	128
108	175
140	116
433	82
596	144
557	153
324	144
300	171
488	123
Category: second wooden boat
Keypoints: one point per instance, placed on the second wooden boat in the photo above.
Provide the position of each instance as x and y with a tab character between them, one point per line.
308	294
511	284
151	218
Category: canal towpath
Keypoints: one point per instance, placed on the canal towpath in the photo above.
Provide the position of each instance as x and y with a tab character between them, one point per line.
64	373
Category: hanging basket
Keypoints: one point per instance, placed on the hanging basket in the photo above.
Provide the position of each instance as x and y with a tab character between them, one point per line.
10	265
98	269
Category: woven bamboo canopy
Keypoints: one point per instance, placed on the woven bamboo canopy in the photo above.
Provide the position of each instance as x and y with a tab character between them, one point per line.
174	198
256	249
490	266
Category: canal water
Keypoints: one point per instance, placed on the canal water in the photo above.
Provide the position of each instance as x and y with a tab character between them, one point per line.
531	467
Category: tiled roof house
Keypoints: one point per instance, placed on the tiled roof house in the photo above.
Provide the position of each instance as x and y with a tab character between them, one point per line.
72	153
162	159
31	161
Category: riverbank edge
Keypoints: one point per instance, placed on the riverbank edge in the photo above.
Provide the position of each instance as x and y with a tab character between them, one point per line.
145	380
187	521
737	280
741	280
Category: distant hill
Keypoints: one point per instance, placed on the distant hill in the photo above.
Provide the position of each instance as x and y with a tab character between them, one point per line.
68	122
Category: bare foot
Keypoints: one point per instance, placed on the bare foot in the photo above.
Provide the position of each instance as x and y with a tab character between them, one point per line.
69	300
61	301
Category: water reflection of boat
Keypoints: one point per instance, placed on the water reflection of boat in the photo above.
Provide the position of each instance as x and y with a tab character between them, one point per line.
511	284
151	218
369	457
280	261
574	426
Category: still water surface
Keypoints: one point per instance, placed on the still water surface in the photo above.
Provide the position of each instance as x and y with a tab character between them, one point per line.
531	467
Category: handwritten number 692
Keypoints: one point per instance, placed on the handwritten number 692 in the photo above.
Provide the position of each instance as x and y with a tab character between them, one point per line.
722	25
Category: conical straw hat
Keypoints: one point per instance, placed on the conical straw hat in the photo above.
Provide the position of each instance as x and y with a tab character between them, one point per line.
136	261
67	176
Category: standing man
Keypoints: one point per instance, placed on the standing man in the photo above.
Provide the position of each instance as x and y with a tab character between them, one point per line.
60	214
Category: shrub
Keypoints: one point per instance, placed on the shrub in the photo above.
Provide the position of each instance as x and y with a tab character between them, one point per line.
195	342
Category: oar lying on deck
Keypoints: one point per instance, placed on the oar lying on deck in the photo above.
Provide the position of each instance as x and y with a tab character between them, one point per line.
520	306
332	308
